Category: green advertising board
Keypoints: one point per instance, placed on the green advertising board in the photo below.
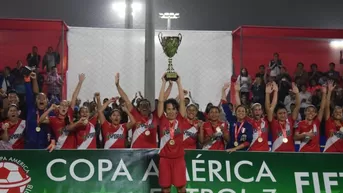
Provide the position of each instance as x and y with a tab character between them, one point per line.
136	171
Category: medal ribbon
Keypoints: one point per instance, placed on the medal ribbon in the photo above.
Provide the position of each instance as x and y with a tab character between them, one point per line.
37	117
171	129
283	130
259	128
238	130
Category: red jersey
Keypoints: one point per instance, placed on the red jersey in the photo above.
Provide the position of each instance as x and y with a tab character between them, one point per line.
333	143
190	135
15	133
260	133
86	135
171	137
145	131
309	145
114	136
279	132
65	139
218	142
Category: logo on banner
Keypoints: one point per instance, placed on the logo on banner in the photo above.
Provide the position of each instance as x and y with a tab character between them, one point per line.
14	176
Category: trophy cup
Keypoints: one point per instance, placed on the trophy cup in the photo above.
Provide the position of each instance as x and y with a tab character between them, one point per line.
170	44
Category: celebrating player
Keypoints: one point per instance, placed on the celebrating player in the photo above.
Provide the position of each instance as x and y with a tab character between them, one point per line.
14	128
333	124
282	125
114	134
172	165
241	131
65	138
144	134
308	130
258	122
190	136
37	135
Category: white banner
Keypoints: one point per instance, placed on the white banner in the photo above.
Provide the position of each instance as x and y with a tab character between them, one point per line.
204	61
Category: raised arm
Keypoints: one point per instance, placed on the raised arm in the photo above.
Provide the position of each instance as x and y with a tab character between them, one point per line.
122	94
322	104
132	120
296	110
168	91
160	106
76	92
331	87
271	88
35	87
228	113
182	109
101	110
237	92
30	100
43	117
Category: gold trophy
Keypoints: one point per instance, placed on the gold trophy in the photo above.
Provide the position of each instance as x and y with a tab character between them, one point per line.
170	44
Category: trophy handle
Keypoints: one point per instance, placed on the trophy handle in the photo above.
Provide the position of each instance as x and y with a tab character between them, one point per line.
180	38
160	35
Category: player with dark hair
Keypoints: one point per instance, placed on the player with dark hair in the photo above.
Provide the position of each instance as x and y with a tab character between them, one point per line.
282	125
65	139
241	131
145	131
172	165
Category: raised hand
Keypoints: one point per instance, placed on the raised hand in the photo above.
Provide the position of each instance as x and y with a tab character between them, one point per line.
117	78
226	86
178	80
294	89
275	86
324	89
237	86
269	88
97	95
331	85
164	77
82	77
33	75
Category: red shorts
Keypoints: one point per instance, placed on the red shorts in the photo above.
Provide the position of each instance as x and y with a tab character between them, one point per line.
172	172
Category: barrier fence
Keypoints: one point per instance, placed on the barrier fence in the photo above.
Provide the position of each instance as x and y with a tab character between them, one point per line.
136	171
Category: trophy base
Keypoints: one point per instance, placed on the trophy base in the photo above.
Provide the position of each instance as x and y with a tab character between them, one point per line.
171	76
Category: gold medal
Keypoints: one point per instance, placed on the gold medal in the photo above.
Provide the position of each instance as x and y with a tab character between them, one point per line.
341	129
172	142
260	139
85	122
285	140
38	129
147	133
235	144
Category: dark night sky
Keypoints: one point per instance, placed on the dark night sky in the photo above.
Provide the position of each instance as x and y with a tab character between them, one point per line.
195	14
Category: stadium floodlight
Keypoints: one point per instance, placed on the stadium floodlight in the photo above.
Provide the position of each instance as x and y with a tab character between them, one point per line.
169	17
336	44
120	8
